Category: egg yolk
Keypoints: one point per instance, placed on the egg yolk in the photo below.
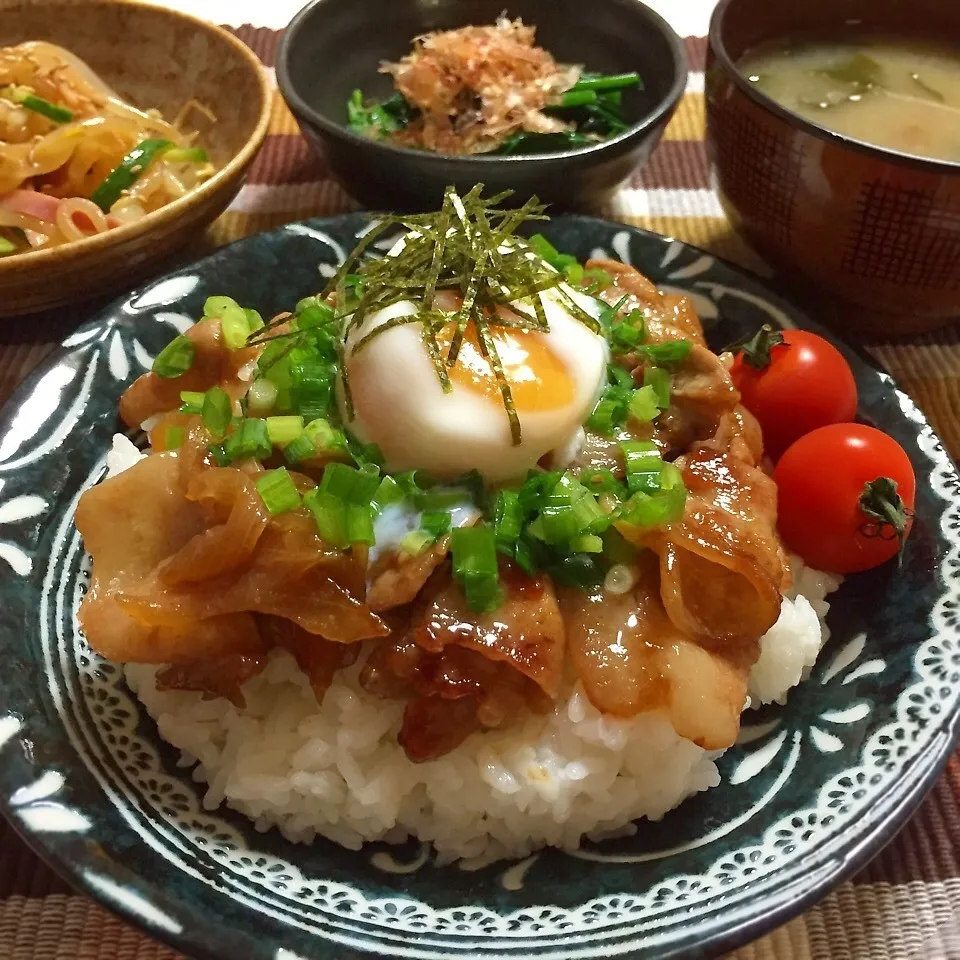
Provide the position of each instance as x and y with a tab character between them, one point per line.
539	380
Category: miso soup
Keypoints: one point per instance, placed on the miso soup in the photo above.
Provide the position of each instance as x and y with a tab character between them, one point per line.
899	94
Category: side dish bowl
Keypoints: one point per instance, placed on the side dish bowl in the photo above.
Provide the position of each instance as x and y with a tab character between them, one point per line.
316	79
876	230
157	58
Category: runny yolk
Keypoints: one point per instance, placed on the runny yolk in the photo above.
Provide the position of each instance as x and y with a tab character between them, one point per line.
539	380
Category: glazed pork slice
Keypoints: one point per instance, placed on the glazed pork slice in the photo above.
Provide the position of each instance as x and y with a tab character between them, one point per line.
463	671
631	658
214	364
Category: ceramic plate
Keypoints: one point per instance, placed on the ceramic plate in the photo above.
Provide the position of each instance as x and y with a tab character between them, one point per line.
812	790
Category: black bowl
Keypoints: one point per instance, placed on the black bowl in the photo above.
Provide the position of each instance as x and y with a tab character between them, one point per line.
335	46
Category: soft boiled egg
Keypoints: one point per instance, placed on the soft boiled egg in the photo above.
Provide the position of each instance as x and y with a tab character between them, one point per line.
555	378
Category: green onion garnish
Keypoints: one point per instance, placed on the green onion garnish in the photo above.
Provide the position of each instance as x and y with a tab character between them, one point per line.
353	485
673	351
665	505
330	513
475	566
435	522
217	412
191	402
278	491
644	404
261	397
643	465
175	359
299	449
234	324
416	542
250	440
659	381
284	430
174	438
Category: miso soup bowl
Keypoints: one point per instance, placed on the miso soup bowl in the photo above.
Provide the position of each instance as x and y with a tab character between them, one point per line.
875	230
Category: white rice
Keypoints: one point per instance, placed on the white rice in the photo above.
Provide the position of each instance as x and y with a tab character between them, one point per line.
337	770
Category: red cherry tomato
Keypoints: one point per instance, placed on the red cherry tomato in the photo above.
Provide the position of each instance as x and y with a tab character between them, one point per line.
803	383
820	482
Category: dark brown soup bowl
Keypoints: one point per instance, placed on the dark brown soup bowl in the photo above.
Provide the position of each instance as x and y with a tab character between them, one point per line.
876	230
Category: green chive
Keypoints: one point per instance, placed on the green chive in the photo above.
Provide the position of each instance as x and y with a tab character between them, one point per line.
278	491
175	359
191	402
644	404
174	437
659	381
435	522
249	440
217	412
284	430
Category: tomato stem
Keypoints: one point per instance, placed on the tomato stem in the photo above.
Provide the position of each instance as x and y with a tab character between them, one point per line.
755	349
881	502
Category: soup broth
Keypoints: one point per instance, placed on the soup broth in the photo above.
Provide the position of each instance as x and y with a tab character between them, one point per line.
898	93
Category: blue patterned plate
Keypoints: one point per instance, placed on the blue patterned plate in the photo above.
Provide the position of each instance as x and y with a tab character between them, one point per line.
812	791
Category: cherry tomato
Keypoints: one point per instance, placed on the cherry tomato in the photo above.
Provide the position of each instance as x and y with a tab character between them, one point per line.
826	516
792	385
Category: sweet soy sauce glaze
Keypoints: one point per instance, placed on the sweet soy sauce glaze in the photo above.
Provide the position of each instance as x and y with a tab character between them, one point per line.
897	93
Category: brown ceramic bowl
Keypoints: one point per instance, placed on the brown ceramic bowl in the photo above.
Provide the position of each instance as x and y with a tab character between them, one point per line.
156	58
875	230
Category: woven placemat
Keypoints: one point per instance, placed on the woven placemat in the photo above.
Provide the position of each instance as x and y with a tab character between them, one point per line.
906	904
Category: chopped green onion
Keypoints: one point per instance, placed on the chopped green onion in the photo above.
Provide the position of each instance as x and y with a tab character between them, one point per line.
301	448
249	440
330	514
124	176
644	404
643	465
415	543
262	396
233	320
475	566
663	505
175	359
314	314
325	438
673	351
547	252
600	481
174	437
388	492
360	524
7	247
568	510
351	484
311	383
507	517
254	320
284	430
436	522
659	381
587	543
217	411
191	401
186	155
278	491
219	455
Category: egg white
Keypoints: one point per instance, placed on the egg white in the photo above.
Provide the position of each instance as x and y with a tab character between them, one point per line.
400	405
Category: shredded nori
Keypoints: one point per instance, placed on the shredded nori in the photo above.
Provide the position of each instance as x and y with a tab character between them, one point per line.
469	247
